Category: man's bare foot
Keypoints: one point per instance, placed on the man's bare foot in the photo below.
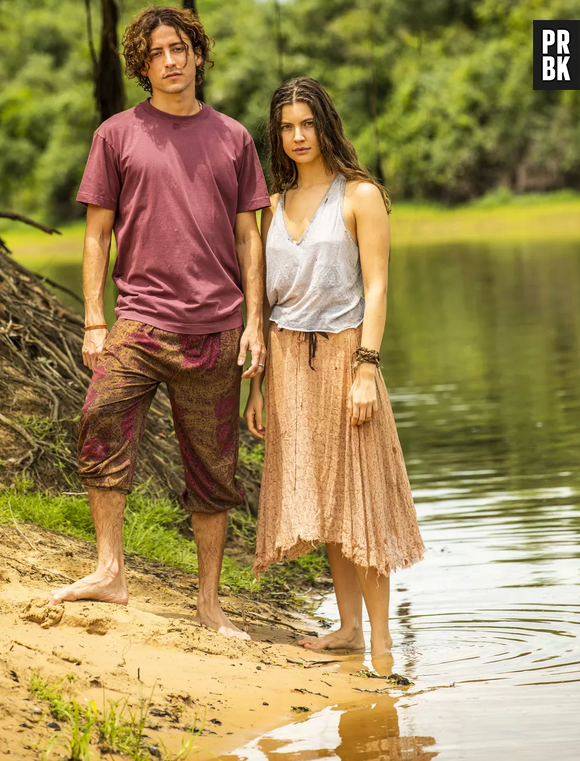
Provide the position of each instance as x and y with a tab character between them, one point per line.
381	645
102	586
342	639
214	618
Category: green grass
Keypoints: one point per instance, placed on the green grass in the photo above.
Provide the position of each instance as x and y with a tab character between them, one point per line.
118	728
151	531
253	457
60	707
499	216
499	213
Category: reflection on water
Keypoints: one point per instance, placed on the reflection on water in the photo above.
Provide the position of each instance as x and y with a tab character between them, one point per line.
365	732
482	360
362	730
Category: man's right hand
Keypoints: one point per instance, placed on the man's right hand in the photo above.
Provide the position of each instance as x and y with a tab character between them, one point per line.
93	346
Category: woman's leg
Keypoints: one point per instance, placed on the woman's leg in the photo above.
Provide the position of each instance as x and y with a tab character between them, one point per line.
376	593
349	600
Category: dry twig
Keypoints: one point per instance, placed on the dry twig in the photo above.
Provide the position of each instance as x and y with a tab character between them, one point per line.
22	534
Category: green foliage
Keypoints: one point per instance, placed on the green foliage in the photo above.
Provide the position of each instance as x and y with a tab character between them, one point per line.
151	530
51	692
440	91
83	723
253	457
118	728
122	728
46	109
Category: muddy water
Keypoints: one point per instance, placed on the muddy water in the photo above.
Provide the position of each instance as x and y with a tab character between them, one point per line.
482	359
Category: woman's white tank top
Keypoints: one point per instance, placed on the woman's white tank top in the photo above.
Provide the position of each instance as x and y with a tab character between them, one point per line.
315	283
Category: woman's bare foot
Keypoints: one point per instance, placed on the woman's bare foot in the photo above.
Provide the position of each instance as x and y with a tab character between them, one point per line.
384	664
342	639
214	618
381	645
102	586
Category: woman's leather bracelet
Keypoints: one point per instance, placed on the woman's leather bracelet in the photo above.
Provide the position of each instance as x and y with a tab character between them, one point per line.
362	355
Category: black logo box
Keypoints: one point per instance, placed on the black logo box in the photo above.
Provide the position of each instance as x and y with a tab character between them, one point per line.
564	46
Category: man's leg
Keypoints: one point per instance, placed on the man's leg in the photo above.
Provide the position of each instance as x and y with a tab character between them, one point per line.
205	399
210	536
111	425
108	583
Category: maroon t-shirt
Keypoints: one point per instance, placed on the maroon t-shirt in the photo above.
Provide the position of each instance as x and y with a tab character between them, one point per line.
176	184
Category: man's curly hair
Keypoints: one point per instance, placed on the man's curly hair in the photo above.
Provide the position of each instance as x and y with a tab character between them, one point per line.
137	40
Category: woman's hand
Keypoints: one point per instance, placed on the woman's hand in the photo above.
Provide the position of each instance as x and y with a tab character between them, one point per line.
362	399
253	413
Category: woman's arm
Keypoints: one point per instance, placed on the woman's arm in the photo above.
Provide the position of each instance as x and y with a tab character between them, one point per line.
255	406
373	235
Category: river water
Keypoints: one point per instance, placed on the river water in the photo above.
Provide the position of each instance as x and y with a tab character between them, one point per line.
482	360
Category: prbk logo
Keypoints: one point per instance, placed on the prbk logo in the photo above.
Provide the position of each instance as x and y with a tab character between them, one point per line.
556	55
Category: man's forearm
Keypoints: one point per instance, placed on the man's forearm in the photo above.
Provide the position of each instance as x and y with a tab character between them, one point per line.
251	262
95	266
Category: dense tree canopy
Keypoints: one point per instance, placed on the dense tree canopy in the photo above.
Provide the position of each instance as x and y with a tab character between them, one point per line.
436	95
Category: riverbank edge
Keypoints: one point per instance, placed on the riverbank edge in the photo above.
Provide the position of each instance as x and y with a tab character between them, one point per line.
498	215
156	529
150	656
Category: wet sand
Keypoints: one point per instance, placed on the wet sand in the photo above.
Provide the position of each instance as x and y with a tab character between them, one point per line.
236	690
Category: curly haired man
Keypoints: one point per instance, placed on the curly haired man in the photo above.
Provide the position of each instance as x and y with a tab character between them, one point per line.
179	183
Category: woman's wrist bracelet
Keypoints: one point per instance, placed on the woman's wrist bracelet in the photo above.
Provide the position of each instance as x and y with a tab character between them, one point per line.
362	355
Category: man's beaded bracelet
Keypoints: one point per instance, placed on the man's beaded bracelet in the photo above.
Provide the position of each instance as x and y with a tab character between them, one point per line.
362	355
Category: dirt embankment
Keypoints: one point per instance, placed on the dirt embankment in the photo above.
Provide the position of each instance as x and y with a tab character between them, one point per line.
233	689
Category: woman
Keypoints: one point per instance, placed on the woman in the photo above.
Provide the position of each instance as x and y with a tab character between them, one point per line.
333	469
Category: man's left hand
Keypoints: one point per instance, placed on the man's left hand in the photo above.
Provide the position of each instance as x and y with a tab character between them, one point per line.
252	341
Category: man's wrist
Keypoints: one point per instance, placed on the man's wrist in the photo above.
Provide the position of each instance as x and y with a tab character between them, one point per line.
95	318
255	324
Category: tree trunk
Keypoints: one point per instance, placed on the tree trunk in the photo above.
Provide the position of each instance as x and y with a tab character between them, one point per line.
191	5
109	89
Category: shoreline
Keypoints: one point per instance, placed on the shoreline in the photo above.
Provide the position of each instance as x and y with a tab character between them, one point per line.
152	648
533	216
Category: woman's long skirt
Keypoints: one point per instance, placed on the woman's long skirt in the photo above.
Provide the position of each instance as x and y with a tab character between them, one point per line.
324	480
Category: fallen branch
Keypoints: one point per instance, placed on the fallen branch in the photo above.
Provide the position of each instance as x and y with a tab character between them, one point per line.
22	534
27	221
37	568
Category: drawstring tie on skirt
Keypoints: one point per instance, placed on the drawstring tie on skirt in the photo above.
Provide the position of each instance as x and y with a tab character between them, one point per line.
312	343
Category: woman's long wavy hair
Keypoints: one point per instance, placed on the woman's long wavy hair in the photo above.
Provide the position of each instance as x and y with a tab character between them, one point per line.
137	40
338	153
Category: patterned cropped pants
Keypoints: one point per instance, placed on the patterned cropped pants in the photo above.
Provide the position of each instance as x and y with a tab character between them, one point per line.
203	380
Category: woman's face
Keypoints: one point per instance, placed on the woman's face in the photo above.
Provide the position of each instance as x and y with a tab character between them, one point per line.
299	138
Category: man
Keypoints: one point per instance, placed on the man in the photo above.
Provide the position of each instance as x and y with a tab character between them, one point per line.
179	183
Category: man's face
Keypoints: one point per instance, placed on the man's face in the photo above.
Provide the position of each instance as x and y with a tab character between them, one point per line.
172	63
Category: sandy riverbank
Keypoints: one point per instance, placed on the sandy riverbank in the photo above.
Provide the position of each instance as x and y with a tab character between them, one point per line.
236	689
